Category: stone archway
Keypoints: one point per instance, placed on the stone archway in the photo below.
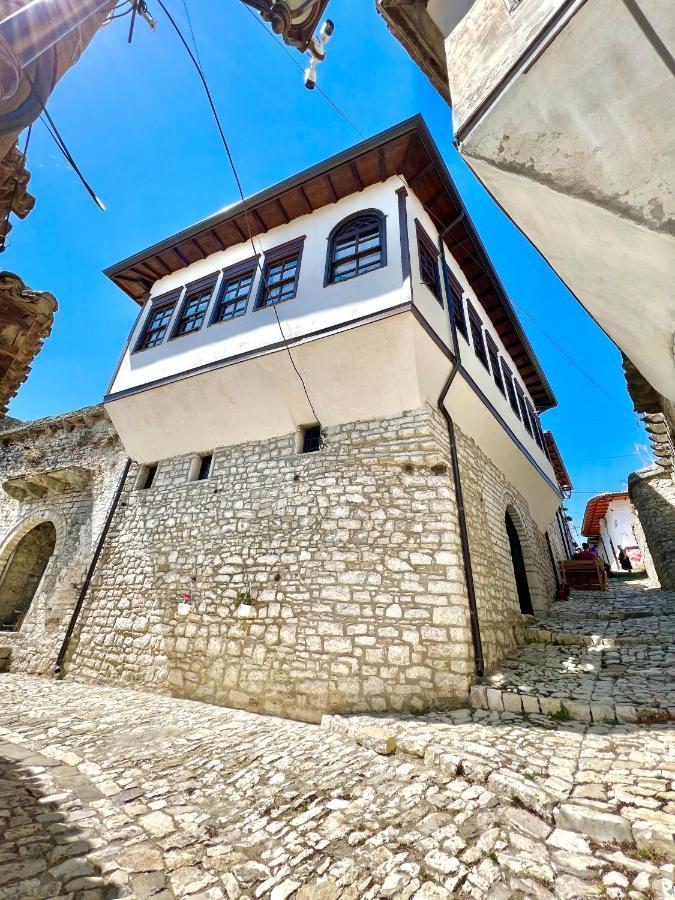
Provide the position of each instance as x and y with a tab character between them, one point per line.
23	573
519	567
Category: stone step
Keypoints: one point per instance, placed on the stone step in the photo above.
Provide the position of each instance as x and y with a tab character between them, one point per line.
563	709
603	635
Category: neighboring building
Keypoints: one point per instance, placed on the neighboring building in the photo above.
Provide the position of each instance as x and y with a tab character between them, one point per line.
609	524
341	496
563	109
58	477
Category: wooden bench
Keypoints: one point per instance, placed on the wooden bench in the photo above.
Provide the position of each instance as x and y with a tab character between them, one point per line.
585	574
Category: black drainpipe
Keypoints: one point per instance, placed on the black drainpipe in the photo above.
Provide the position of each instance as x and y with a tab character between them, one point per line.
454	456
552	558
90	571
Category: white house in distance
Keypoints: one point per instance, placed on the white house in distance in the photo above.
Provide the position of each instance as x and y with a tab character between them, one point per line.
339	469
609	521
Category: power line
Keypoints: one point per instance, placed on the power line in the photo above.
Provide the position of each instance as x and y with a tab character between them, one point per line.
256	251
430	212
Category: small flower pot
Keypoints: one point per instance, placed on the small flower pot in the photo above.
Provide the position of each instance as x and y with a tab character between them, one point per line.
183	609
244	611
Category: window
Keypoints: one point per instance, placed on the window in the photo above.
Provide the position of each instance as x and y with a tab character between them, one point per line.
204	469
456	302
493	353
357	246
428	255
235	289
157	322
311	438
194	306
534	419
279	280
476	326
523	409
146	477
511	394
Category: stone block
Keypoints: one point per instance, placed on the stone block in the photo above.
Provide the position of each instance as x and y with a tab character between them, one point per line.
597	824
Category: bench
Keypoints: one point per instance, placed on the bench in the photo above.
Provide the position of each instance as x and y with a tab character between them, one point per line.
585	574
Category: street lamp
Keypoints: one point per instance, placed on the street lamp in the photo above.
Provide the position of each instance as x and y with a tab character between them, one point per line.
294	20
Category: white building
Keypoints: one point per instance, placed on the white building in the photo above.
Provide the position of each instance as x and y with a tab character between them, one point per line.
609	524
339	470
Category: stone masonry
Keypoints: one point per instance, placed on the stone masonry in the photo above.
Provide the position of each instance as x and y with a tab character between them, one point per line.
58	477
652	491
351	559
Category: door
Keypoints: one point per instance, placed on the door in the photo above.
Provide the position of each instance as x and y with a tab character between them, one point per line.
522	586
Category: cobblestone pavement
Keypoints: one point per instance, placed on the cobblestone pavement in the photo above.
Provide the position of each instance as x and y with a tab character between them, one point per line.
106	792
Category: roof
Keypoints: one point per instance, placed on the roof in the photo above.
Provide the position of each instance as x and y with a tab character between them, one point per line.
25	321
561	473
596	509
406	149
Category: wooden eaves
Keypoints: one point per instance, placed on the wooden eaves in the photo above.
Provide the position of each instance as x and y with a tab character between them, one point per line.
406	149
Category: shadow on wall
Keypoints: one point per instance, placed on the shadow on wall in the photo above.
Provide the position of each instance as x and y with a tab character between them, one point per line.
657	517
43	854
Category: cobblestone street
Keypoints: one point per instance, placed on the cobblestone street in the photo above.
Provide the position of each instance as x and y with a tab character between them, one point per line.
535	791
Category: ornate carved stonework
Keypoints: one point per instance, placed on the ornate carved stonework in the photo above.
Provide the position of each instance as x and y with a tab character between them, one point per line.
25	321
14	196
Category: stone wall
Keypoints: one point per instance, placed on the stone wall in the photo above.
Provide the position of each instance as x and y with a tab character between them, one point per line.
652	491
33	455
351	556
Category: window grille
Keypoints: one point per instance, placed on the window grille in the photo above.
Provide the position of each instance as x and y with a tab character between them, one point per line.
279	280
456	302
235	289
193	310
493	353
511	394
156	325
476	326
357	247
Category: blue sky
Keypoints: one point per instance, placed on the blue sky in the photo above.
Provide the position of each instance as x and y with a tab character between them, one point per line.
136	121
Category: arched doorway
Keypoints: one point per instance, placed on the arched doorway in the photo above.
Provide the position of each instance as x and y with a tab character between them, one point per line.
519	571
22	574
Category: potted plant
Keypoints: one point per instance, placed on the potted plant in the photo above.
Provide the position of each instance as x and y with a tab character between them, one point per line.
243	602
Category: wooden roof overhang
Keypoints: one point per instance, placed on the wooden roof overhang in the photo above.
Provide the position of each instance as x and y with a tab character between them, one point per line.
561	473
596	509
407	150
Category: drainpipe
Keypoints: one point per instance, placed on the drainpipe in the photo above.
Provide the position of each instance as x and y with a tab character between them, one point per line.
90	571
454	456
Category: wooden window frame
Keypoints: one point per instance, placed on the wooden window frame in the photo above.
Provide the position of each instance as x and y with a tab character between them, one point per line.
273	257
331	262
199	286
493	354
476	326
509	382
236	272
456	303
157	304
534	419
425	246
522	403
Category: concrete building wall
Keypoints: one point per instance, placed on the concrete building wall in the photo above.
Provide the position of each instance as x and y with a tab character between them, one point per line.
353	560
84	439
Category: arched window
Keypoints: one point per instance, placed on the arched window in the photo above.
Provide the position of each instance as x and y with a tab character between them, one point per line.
356	246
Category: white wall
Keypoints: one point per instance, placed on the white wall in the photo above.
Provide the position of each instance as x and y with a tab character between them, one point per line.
617	526
313	308
437	317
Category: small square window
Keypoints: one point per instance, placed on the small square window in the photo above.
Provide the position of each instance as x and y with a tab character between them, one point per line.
204	469
428	257
235	289
146	477
193	309
157	323
311	438
476	326
279	280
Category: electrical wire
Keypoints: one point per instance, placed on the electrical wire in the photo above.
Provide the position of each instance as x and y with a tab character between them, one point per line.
19	163
430	212
257	252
